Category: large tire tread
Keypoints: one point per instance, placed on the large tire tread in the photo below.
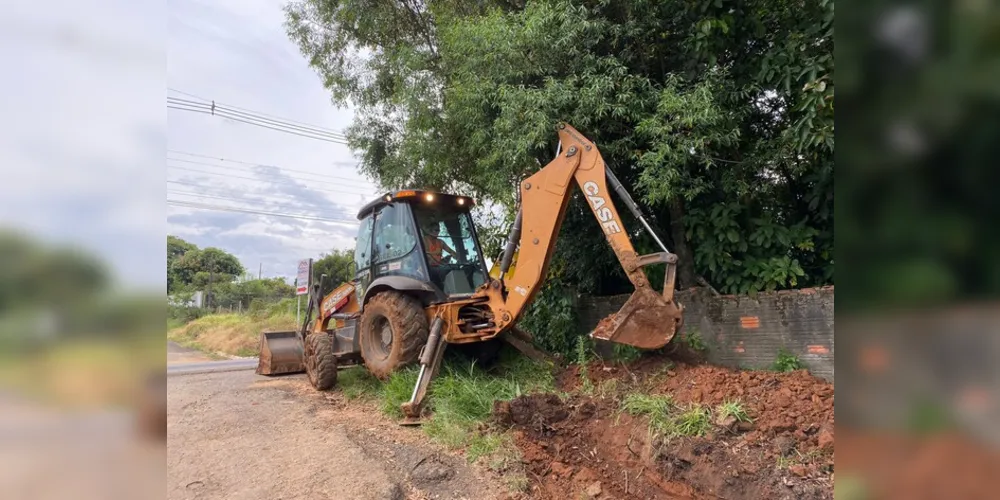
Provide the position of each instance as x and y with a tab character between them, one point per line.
409	326
321	364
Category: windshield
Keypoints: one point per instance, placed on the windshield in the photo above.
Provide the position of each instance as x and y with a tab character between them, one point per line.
450	247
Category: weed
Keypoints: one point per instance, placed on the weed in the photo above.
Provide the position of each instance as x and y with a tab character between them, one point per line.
733	409
696	421
694	341
786	362
625	354
654	407
582	358
786	462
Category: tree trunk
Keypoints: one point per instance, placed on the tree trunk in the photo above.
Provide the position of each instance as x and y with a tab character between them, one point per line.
686	277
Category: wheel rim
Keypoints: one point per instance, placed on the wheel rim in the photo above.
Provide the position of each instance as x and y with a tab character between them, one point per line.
381	335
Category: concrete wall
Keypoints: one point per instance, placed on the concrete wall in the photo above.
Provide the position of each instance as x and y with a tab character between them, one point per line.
748	332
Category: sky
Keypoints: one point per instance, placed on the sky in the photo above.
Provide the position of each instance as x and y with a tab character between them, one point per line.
83	130
236	52
89	145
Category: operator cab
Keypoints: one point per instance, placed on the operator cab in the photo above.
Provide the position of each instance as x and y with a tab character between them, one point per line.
422	235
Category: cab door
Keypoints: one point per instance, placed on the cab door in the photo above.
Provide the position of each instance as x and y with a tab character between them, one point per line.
363	256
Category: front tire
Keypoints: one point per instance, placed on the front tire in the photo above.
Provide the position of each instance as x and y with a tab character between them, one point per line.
393	330
321	364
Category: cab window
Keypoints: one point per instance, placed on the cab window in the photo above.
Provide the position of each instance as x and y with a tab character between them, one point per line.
363	247
394	236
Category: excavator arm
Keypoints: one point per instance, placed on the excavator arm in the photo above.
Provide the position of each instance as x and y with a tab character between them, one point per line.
649	319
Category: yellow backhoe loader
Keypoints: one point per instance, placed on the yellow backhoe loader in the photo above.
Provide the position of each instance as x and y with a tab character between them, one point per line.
422	282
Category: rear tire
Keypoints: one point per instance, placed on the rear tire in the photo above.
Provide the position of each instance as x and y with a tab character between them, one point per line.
321	364
393	329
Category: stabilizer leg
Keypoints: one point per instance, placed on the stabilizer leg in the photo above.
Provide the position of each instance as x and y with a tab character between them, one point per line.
430	362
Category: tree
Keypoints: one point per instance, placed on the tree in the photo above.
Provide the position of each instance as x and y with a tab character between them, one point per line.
34	274
718	113
338	266
188	266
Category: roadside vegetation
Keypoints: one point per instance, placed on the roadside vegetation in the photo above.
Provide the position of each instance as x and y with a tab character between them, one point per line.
234	334
461	405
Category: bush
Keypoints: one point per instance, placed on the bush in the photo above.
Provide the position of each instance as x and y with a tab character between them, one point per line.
184	315
787	362
552	319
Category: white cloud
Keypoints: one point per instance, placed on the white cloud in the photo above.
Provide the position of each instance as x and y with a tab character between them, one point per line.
237	53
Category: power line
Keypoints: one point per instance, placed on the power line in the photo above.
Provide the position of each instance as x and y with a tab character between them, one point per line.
222	114
217	108
287	120
329	179
203	206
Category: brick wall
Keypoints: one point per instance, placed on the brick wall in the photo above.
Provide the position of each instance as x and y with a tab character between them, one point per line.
748	332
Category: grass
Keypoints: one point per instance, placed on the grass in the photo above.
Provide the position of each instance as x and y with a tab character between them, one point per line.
695	421
234	334
357	383
657	408
460	400
668	420
733	409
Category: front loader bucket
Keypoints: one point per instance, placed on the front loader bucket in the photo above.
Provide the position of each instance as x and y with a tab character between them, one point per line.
280	352
646	321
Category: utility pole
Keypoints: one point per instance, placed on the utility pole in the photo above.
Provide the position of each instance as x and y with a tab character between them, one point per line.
211	278
260	270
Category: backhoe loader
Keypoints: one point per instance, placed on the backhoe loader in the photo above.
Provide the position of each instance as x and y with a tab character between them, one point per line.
422	282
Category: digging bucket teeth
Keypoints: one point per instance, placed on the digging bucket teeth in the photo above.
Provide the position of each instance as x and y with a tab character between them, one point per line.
280	352
647	321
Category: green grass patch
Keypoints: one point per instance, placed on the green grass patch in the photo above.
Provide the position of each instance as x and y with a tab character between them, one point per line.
733	409
656	408
666	419
695	421
358	383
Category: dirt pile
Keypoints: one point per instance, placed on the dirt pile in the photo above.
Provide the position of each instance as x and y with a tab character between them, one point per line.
585	444
573	449
792	405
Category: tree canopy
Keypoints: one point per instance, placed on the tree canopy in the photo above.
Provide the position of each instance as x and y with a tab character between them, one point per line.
338	266
718	114
190	267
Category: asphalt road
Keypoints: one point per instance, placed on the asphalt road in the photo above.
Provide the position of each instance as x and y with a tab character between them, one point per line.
233	434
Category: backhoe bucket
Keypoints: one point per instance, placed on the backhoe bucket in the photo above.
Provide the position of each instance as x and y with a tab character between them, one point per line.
280	352
646	321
